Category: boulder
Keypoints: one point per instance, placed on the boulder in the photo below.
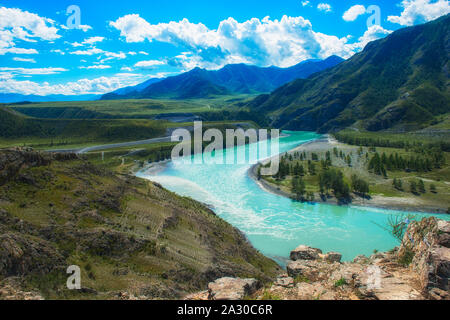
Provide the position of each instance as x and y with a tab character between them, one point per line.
285	281
439	268
443	233
333	257
232	288
303	268
426	246
386	286
305	253
361	259
198	296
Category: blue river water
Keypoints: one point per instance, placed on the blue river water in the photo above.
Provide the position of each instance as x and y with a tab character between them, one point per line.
275	225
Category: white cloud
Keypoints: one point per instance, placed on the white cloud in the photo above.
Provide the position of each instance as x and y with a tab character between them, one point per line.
16	24
354	12
324	7
119	55
17	51
85	27
96	51
263	42
88	52
58	51
420	11
88	41
99	85
149	64
305	3
93	40
24	60
373	33
32	71
99	67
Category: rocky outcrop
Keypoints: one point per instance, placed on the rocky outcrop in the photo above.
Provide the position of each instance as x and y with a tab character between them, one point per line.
426	245
312	275
232	288
228	289
22	255
305	253
11	289
333	257
12	161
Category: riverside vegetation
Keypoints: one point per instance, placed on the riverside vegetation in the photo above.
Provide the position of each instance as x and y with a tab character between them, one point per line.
414	177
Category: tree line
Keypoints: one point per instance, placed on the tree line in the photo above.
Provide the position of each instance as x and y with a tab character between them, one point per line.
395	162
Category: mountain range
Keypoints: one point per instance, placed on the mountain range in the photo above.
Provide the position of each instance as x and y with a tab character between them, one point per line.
232	79
399	83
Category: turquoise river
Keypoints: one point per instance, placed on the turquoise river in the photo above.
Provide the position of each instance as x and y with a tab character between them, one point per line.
274	224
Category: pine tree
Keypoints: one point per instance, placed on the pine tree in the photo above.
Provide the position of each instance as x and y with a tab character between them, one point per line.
299	188
422	187
413	187
433	188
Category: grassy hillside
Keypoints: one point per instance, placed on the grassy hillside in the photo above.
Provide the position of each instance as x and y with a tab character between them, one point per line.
129	109
127	235
17	129
400	83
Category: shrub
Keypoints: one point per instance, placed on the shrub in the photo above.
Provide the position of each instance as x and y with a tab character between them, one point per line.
341	282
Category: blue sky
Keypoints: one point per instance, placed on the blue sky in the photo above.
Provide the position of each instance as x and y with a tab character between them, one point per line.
121	43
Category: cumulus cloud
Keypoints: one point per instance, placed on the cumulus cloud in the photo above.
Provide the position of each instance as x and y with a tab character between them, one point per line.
16	24
99	85
263	42
373	33
420	11
324	7
354	12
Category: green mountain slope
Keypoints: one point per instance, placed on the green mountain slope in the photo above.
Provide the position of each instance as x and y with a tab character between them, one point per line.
232	79
128	236
14	125
400	82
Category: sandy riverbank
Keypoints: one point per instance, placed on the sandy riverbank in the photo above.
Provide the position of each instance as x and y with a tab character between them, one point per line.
410	203
155	168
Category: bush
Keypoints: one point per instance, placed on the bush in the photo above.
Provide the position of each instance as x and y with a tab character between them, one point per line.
341	282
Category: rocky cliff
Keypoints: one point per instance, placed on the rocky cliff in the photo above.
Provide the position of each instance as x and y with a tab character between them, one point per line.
417	270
